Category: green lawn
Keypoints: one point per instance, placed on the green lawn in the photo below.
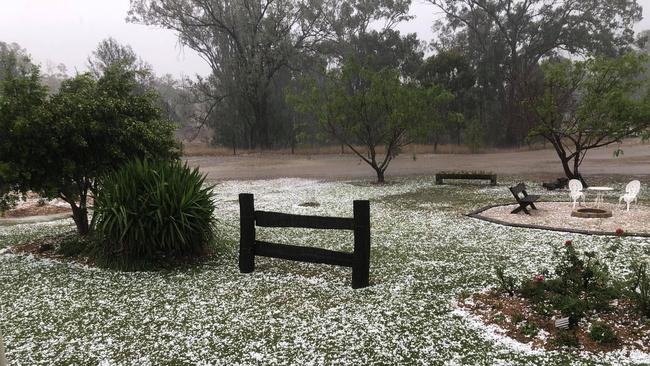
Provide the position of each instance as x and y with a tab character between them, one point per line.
425	253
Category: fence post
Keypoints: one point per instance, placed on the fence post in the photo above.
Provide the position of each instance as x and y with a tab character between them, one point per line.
3	360
246	233
361	266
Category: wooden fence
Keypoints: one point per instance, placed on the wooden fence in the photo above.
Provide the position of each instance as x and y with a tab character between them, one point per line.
249	247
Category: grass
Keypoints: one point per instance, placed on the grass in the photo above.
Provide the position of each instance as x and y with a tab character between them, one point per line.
425	253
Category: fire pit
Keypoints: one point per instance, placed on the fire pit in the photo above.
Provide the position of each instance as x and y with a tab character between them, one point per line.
591	213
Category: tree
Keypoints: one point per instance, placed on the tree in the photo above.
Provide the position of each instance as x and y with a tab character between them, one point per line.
358	105
246	42
62	145
14	60
516	34
110	52
451	70
589	104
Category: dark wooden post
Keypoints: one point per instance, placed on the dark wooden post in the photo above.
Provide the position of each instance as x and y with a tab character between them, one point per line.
246	233
361	266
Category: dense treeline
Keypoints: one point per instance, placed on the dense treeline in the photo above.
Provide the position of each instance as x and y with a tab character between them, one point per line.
315	72
487	54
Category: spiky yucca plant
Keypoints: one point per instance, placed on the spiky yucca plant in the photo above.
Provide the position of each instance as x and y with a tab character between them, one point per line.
148	210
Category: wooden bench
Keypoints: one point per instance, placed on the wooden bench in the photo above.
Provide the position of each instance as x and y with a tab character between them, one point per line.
470	176
523	199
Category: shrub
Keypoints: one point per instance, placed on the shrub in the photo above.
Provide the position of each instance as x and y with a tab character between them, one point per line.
147	211
506	283
566	338
640	287
602	333
530	329
74	246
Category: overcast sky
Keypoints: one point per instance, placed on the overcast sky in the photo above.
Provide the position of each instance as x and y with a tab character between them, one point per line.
66	31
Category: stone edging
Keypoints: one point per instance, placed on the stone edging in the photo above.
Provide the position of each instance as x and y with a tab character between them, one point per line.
476	215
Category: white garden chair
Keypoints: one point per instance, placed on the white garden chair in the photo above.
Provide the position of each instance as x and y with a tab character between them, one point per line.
631	191
575	191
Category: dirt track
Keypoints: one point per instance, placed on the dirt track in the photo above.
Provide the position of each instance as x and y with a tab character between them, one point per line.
535	164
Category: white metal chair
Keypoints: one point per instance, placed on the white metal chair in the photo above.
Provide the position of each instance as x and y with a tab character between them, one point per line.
631	191
575	191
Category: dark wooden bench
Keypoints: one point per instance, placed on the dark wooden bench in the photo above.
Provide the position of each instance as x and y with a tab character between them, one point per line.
473	176
523	199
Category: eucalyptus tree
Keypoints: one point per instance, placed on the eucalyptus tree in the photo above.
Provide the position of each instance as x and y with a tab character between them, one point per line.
589	104
370	111
110	52
517	34
246	43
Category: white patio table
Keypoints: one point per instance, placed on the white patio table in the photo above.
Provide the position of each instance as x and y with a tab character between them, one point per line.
600	191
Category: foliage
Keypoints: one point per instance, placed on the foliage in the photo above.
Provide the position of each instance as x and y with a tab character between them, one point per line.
358	105
452	70
506	39
579	284
566	338
111	53
75	246
506	283
602	333
590	104
151	210
529	329
58	146
640	287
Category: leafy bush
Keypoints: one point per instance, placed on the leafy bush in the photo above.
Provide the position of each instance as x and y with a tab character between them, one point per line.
147	211
530	329
566	338
74	246
602	333
579	284
506	283
640	287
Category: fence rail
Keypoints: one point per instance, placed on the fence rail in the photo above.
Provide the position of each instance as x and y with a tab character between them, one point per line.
249	247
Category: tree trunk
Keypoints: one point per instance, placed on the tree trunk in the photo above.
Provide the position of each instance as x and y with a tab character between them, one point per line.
380	175
572	174
80	217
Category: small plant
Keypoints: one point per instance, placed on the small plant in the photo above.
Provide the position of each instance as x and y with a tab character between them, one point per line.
602	333
74	246
517	318
566	338
499	318
506	283
530	329
640	287
7	202
149	211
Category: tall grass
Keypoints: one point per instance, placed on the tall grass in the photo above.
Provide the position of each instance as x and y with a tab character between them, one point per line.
148	211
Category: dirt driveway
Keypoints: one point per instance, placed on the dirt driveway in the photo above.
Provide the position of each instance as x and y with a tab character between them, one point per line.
536	164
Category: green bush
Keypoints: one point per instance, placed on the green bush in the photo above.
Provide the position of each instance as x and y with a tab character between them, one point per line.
75	245
640	287
566	338
506	283
530	329
602	333
150	211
